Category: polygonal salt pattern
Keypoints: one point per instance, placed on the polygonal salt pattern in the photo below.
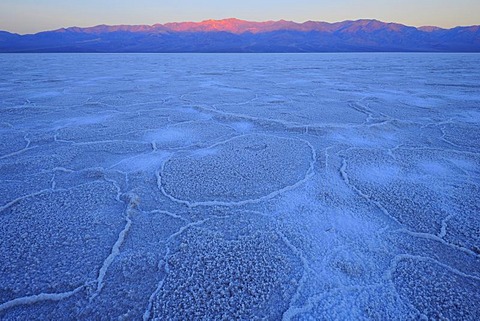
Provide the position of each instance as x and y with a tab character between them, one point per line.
269	186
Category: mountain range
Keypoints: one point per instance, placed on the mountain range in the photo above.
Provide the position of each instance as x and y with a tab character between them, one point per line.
234	35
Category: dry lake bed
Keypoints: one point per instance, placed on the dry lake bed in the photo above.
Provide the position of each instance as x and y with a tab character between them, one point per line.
249	186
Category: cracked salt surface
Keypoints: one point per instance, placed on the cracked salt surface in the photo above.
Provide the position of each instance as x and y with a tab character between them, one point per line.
181	187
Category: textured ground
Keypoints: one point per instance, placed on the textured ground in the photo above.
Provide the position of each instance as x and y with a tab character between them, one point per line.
185	187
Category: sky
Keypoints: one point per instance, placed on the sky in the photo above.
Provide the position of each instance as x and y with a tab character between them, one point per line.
30	16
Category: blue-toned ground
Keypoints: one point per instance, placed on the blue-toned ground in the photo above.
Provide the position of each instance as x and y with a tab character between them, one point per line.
256	186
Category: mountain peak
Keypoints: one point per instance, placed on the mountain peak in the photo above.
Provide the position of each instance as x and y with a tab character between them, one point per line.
429	28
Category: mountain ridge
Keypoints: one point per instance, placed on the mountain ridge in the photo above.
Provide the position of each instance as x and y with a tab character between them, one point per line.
235	35
238	26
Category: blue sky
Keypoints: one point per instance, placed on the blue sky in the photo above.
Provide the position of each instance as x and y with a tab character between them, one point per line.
27	16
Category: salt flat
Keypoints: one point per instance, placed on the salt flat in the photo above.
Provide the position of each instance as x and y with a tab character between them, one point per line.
225	186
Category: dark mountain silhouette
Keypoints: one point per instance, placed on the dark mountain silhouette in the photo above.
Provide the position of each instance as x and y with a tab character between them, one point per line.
233	35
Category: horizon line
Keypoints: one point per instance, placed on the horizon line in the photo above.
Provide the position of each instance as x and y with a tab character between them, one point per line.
238	19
